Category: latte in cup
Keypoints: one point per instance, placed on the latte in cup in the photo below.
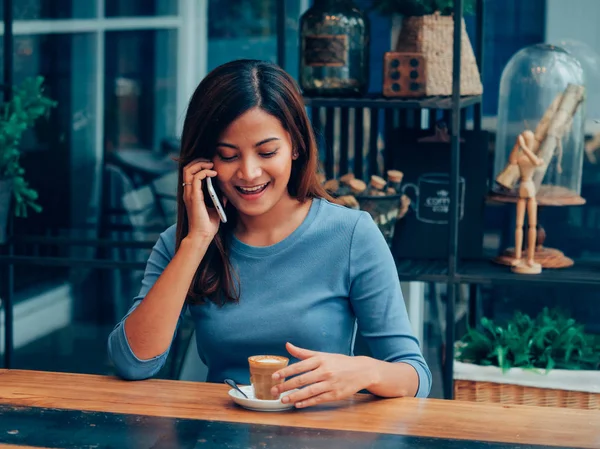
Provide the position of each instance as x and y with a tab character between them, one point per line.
262	368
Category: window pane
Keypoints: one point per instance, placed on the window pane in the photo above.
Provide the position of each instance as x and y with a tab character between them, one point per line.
140	88
63	314
248	29
51	9
59	155
503	38
127	8
241	29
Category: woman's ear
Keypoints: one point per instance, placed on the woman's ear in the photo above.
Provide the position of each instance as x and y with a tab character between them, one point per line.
295	154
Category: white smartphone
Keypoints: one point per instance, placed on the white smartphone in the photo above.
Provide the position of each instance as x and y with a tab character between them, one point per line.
215	200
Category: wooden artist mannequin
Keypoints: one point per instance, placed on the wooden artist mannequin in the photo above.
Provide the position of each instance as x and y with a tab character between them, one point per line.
523	157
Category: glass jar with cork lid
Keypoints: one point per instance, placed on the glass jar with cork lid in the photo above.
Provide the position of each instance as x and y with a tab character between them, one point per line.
334	49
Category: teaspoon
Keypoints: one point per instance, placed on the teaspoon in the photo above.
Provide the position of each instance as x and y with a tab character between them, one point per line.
232	384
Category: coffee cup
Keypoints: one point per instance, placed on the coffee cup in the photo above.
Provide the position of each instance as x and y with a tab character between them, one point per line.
262	368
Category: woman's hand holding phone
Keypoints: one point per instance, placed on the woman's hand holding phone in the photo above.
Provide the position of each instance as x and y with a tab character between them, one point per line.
203	222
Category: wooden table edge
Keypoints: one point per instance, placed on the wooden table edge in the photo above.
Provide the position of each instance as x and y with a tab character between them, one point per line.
229	412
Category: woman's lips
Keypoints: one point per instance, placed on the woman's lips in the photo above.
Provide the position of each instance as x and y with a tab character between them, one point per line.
252	193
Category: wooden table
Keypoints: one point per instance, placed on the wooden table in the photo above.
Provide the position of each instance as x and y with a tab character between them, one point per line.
42	409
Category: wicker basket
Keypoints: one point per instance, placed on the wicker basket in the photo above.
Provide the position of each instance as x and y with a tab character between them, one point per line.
518	388
432	36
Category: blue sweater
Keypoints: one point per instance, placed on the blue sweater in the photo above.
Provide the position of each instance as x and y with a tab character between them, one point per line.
310	289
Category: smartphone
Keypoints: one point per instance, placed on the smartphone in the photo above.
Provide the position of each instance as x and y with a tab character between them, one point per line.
215	200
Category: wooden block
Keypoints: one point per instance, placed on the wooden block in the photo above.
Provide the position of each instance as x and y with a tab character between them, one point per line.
404	74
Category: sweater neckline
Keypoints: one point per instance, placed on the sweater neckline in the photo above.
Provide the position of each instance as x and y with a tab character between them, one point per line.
262	251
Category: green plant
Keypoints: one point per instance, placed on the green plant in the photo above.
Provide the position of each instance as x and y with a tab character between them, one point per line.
420	7
551	340
27	105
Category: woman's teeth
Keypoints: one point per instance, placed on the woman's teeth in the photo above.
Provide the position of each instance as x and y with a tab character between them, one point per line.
252	190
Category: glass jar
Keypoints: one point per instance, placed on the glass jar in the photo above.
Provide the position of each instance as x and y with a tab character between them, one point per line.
334	49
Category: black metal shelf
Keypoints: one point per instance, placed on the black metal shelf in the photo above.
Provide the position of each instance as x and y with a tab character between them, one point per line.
104	264
65	241
483	272
486	272
378	101
423	270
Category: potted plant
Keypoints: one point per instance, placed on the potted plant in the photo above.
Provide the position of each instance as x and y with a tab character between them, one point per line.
548	360
426	27
26	105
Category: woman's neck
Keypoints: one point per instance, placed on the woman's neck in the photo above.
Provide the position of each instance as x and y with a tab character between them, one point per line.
273	226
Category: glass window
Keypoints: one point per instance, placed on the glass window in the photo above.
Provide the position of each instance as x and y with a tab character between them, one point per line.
241	29
248	29
116	89
63	155
504	37
140	88
128	8
51	9
59	153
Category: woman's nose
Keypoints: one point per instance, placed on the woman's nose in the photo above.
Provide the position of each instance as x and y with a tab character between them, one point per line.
250	169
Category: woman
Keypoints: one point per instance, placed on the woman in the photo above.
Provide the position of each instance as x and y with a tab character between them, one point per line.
289	273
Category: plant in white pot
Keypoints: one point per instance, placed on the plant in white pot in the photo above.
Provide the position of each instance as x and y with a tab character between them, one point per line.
548	360
26	105
426	27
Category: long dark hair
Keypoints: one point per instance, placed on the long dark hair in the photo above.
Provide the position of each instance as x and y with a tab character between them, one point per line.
224	95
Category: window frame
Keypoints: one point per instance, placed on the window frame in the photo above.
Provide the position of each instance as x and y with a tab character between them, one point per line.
192	40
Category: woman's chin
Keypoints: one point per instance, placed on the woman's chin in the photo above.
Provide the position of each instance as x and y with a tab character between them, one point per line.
253	210
255	207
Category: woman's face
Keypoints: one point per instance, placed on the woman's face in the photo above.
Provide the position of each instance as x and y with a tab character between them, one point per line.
253	161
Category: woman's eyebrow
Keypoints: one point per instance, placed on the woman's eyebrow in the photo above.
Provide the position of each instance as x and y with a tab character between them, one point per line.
270	139
224	144
262	142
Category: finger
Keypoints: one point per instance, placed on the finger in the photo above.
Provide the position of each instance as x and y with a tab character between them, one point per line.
196	187
300	353
307	393
190	170
198	162
197	182
300	381
297	368
194	170
193	187
328	396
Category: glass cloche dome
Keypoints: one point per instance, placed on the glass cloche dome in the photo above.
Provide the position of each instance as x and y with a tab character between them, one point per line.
542	90
590	62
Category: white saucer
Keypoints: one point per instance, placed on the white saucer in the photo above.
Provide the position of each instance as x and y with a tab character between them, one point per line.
259	405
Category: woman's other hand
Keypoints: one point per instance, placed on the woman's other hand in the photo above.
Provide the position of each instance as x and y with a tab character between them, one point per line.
325	377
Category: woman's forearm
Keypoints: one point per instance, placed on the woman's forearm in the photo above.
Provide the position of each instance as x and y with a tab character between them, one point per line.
393	379
150	327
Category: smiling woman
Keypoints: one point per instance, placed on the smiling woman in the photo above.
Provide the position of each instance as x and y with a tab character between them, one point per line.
254	167
248	118
289	273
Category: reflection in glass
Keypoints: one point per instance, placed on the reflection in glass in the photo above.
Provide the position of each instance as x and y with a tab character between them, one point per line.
248	29
59	155
241	29
51	9
140	88
128	8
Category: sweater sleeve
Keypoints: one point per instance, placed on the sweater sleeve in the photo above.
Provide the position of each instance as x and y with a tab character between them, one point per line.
378	303
126	363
